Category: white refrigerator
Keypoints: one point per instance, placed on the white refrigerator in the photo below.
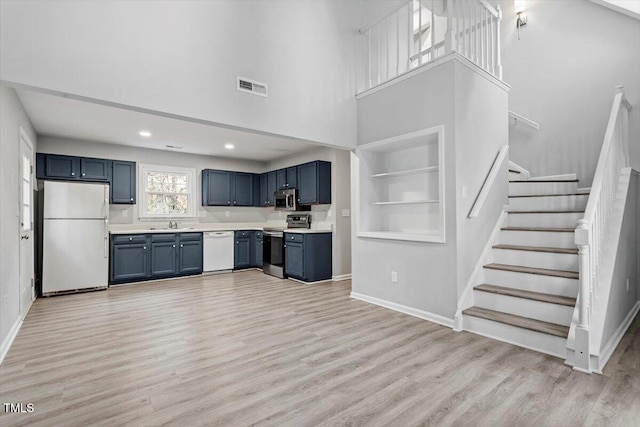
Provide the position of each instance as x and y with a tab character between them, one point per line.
75	246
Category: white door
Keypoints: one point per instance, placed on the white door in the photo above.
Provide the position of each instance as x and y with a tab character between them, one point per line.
27	291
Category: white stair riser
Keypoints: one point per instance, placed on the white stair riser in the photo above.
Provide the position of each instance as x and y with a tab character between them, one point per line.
549	239
558	220
532	282
556	261
557	203
528	187
544	343
554	313
516	176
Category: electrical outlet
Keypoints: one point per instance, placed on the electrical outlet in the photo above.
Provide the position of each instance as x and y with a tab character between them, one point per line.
394	277
124	213
329	213
227	213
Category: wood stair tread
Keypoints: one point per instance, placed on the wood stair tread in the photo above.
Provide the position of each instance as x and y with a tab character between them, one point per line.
545	212
519	321
519	293
549	229
534	270
570	251
546	180
550	195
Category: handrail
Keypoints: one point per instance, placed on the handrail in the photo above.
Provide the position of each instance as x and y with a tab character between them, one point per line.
590	235
525	121
488	183
406	38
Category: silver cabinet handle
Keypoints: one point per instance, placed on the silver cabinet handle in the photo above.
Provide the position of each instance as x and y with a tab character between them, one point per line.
144	247
285	246
83	174
182	246
73	174
130	238
132	199
174	246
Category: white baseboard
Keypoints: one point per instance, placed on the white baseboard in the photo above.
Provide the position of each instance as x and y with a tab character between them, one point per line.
611	346
431	317
341	277
558	177
6	343
309	283
584	190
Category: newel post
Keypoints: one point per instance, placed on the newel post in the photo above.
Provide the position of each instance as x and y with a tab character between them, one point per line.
449	38
498	64
582	361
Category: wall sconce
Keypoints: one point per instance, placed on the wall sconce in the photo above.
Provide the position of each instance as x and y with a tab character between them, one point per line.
519	7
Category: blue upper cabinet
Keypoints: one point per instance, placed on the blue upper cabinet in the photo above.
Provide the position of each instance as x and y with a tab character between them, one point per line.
120	175
267	187
287	178
95	169
272	186
62	167
227	188
242	189
216	187
123	182
314	183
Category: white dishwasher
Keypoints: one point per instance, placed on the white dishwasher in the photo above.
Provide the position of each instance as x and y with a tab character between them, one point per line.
218	250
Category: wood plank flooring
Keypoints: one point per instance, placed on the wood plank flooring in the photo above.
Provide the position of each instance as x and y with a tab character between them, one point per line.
248	349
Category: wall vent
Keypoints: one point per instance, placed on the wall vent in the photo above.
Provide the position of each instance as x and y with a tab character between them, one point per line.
251	86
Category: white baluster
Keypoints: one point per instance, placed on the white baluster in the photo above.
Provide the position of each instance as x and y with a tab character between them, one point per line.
449	37
498	61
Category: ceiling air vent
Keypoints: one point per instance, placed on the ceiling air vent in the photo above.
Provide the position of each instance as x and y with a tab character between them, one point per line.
252	87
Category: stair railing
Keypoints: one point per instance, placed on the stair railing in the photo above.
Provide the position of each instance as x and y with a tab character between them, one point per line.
590	235
421	31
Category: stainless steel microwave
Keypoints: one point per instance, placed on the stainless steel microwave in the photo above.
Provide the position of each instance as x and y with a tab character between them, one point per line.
287	200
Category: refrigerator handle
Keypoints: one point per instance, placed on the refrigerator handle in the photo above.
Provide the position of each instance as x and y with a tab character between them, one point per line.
106	221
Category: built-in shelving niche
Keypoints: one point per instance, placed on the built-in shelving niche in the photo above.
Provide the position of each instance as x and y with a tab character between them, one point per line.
399	185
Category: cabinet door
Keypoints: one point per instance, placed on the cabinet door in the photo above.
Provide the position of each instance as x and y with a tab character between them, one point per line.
292	177
61	167
123	182
308	183
242	189
264	193
242	253
190	258
163	259
281	179
256	259
272	186
219	188
294	260
130	262
94	169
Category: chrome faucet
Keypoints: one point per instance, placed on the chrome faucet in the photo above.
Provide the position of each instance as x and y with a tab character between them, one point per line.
173	225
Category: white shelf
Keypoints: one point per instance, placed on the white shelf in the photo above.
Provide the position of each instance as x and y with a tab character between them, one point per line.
405	202
406	172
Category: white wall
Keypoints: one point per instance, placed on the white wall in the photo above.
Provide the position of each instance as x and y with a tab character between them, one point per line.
182	57
426	271
562	72
12	117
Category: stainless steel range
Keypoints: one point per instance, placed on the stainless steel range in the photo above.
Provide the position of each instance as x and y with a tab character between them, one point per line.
273	244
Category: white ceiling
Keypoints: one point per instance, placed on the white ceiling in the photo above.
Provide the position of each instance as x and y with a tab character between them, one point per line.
70	118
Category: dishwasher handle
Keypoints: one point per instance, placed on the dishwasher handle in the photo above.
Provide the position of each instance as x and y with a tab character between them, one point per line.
218	234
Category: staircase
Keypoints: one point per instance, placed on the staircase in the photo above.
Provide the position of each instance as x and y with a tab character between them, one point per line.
529	289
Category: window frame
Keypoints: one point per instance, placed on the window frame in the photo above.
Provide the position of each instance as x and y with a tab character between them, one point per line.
192	191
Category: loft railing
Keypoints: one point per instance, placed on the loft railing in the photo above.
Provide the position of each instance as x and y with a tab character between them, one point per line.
591	234
421	31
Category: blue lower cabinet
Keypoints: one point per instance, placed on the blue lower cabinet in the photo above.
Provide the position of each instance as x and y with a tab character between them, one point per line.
163	259
190	257
256	253
308	256
138	257
129	261
242	250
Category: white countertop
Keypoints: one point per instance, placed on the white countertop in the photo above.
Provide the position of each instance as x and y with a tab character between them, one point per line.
201	228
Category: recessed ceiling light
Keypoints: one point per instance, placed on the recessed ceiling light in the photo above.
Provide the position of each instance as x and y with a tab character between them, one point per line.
145	133
228	146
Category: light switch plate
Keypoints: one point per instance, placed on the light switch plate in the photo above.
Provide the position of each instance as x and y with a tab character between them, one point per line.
227	213
124	213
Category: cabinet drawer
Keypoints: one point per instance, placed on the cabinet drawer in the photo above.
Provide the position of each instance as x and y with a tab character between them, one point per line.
190	236
293	238
163	237
129	238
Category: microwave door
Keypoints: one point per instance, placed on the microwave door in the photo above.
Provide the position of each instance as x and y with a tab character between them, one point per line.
291	202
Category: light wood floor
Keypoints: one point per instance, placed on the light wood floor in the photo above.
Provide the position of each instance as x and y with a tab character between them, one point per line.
245	349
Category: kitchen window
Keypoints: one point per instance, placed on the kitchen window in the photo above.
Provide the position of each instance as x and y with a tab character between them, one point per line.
167	192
